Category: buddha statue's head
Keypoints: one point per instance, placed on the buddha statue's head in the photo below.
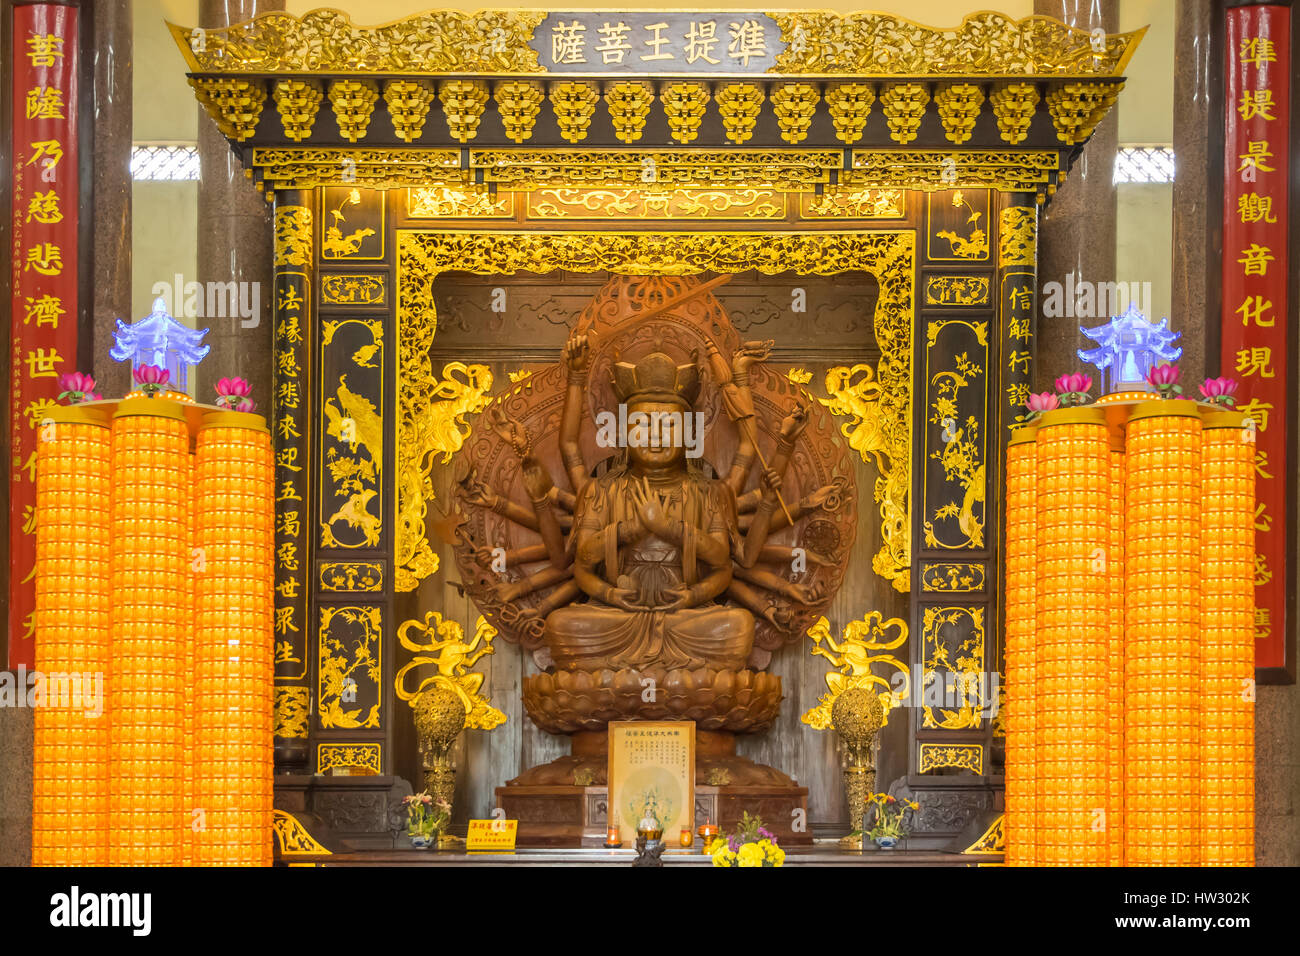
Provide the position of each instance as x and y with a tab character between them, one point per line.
660	398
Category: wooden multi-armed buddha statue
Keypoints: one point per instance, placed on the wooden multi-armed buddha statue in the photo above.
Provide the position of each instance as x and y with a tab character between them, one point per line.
653	517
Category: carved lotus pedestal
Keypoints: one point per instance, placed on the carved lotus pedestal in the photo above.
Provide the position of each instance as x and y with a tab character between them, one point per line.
565	802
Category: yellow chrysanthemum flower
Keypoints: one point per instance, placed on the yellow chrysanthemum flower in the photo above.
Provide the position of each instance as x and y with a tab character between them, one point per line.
751	854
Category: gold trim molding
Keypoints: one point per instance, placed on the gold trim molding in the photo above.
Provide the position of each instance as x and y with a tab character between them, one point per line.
1012	170
498	42
786	170
422	255
955	756
367	756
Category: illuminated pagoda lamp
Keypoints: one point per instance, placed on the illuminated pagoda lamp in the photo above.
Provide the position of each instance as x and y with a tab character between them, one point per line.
158	339
1128	346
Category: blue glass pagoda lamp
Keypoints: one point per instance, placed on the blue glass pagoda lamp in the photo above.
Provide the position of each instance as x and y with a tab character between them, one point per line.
1127	348
158	339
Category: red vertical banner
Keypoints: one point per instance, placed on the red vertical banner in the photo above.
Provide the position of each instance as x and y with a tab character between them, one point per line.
1254	344
44	258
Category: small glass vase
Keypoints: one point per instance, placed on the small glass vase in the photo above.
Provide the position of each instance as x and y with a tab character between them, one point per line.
886	842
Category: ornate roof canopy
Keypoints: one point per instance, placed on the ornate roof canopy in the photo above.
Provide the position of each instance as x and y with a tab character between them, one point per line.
530	97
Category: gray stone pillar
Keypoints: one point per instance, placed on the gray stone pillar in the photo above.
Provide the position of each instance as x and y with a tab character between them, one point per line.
1077	233
112	183
1195	263
235	239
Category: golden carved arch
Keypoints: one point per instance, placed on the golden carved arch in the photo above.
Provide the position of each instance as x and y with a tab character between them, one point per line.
422	255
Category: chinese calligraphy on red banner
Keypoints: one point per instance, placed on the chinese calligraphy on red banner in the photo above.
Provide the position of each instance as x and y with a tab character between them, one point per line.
44	259
1254	341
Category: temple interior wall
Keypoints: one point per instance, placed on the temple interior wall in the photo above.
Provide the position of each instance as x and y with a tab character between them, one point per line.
164	242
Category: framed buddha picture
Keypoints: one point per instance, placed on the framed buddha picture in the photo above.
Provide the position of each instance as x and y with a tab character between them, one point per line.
651	776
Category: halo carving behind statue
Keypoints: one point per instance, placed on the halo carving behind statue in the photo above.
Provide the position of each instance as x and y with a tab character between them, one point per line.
629	318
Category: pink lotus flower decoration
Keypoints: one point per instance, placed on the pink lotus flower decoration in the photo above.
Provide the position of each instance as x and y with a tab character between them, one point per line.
151	378
245	405
231	392
77	387
1041	402
1220	391
1072	389
1164	378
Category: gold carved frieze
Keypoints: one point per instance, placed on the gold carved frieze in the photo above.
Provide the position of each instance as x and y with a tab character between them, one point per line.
292	705
445	202
439	41
956	423
1018	236
311	167
865	203
350	664
292	236
365	756
352	433
889	256
1018	170
955	290
952	578
984	44
352	289
952	654
508	42
788	170
952	756
656	204
351	576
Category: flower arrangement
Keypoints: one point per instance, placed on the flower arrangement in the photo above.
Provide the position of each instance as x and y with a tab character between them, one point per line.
151	378
1164	379
890	816
1072	389
1220	391
751	844
232	393
426	817
77	387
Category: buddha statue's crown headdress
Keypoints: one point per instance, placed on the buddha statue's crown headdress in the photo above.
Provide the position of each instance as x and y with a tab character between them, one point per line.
656	378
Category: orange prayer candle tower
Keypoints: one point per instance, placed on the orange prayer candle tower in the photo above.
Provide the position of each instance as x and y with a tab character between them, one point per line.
1162	533
150	554
1163	494
1073	631
233	640
70	778
1227	640
1021	695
